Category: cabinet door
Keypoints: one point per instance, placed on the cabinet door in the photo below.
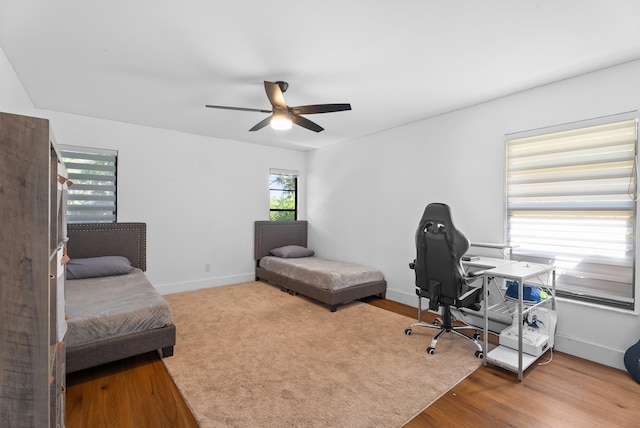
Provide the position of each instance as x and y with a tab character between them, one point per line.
24	274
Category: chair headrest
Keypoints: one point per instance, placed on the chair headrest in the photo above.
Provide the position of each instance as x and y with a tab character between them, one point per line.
437	219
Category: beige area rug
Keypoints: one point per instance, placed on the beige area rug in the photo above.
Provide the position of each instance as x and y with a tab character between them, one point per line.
250	355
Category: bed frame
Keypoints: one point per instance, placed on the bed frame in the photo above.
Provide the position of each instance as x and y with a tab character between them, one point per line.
115	239
274	234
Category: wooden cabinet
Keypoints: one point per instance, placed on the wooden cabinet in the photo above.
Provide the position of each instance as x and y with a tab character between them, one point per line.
32	238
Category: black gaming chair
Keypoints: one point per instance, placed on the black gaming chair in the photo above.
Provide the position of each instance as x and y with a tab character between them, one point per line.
440	276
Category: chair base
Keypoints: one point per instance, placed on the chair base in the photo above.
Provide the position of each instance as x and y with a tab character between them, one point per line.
445	326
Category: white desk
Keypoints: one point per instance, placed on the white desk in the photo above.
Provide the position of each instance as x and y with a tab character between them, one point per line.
521	272
486	262
498	320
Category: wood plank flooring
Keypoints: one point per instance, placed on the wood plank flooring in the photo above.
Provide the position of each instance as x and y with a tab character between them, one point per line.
135	392
568	392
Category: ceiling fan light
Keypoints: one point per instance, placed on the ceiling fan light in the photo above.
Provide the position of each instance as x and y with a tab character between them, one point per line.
281	123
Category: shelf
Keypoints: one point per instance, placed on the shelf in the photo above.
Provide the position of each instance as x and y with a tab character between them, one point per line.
503	309
508	358
509	306
506	250
515	359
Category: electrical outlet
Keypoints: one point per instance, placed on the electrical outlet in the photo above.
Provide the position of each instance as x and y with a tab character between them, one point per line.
207	267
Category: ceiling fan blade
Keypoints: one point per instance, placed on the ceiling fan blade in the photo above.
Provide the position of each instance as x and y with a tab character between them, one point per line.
306	123
319	108
239	108
274	93
261	124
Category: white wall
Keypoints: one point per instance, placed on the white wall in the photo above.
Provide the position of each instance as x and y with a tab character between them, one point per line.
367	208
199	196
13	98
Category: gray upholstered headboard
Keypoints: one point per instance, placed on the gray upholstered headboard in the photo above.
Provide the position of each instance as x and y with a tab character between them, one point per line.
274	234
109	239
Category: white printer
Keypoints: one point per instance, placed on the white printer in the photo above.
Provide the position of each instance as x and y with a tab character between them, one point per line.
537	334
533	342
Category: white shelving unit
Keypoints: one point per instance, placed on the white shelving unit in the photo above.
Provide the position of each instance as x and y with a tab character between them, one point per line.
541	275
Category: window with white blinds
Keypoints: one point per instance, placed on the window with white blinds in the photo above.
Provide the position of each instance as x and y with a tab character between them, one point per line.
571	201
92	197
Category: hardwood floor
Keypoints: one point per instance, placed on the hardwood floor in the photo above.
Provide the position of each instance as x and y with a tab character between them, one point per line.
568	392
133	393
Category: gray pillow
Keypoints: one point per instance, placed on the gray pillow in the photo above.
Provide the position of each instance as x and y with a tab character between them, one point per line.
291	252
93	267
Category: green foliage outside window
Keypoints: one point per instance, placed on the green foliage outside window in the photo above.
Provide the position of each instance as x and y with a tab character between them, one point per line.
283	195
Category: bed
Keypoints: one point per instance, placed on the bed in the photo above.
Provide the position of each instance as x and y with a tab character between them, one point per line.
331	282
111	317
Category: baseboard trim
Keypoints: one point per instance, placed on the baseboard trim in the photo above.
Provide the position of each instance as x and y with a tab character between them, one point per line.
410	299
590	351
180	287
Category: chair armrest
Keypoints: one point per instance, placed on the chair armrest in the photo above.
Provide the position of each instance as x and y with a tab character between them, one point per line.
474	274
468	293
472	277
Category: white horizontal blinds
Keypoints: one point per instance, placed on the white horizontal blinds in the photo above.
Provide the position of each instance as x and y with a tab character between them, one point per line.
280	171
571	201
92	197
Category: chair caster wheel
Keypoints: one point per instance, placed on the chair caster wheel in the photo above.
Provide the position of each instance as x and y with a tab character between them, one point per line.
476	336
408	332
479	354
431	350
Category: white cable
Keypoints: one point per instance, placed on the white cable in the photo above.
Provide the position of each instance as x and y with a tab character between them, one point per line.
549	360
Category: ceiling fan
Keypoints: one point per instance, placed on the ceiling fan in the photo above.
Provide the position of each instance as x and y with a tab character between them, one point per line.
282	116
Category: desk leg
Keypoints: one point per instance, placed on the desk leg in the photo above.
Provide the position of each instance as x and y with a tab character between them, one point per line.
519	315
485	286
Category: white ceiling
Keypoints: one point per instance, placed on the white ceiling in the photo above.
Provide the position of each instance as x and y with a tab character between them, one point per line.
158	62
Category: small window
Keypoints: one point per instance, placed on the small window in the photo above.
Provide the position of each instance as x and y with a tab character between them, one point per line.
283	191
571	201
92	197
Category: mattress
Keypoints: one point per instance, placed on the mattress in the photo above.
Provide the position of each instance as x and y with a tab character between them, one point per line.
320	272
113	306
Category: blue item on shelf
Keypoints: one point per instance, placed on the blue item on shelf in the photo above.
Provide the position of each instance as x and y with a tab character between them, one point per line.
530	293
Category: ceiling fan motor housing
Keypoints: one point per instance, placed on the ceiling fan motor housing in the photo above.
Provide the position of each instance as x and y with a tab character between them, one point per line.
283	85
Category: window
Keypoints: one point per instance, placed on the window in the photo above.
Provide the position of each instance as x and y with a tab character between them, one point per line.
283	190
92	197
571	201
